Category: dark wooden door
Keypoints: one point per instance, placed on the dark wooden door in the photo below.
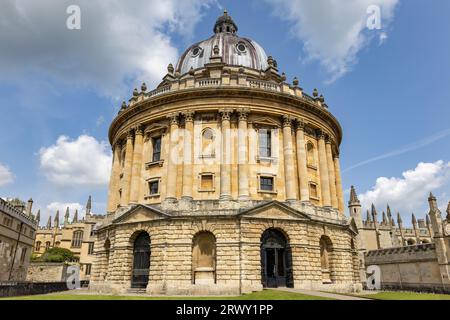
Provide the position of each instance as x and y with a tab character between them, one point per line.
276	260
141	261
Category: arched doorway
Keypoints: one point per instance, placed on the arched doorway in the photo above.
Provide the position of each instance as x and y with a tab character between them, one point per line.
276	260
141	261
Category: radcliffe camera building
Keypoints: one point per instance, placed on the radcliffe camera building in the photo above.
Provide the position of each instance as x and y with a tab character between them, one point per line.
225	180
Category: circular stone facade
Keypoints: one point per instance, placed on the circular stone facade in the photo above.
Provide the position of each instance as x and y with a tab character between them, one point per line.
232	174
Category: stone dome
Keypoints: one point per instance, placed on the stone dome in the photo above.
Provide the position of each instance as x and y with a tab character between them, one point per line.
234	50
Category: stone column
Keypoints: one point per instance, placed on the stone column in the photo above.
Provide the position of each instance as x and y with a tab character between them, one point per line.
288	151
225	162
126	180
243	186
331	174
340	194
171	187
113	181
323	167
137	165
301	162
188	155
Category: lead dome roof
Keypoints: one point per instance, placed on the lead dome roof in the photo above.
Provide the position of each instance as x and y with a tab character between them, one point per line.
234	50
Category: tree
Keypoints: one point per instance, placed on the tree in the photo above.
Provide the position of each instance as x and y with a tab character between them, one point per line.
57	255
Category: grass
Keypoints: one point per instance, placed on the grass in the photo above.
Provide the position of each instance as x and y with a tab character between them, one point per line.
399	295
262	295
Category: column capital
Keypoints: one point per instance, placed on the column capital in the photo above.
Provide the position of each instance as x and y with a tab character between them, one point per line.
243	114
189	116
139	130
300	124
327	139
320	134
130	134
173	117
226	114
287	121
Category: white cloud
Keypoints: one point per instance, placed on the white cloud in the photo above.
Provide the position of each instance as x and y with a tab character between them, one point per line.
408	193
119	41
6	176
73	163
333	32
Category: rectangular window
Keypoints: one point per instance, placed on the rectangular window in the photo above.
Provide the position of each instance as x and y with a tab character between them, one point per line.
156	149
265	143
153	187
207	182
91	248
266	183
313	191
88	269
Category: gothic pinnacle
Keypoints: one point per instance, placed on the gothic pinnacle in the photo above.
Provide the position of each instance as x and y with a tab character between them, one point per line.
353	195
399	219
89	206
75	216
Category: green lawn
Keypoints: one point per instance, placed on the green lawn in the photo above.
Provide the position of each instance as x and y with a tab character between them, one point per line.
406	296
262	295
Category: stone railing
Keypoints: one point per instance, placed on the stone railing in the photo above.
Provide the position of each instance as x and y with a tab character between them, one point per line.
208	83
259	84
159	91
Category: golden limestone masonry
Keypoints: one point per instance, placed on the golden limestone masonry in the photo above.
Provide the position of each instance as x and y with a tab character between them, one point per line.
225	180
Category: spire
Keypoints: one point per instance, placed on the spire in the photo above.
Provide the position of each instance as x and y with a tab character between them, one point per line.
49	222
368	218
38	217
414	221
89	206
399	220
75	217
225	24
56	221
388	211
385	222
66	217
374	213
353	196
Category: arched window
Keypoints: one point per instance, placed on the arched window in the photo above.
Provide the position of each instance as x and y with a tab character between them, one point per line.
208	150
47	245
204	258
77	239
57	243
37	247
325	259
310	154
411	242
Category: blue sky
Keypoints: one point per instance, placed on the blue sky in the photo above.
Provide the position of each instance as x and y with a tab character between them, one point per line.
389	88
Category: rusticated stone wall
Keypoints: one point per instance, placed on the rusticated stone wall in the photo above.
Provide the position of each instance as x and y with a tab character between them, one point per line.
238	255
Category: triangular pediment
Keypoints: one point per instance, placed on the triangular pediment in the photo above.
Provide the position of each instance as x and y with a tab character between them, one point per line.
274	210
141	213
265	122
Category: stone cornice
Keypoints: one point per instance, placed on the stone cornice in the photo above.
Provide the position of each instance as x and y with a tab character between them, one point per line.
124	119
